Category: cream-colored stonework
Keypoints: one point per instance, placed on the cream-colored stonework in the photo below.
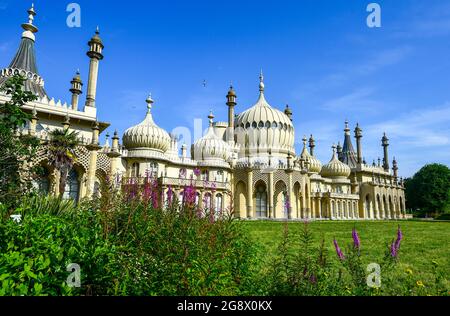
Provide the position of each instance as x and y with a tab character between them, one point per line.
246	165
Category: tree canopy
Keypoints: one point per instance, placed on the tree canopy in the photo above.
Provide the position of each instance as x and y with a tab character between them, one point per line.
428	191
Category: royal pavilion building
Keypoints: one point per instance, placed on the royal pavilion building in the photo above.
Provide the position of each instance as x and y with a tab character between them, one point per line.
247	164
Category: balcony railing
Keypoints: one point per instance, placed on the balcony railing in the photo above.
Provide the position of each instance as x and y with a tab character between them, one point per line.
166	181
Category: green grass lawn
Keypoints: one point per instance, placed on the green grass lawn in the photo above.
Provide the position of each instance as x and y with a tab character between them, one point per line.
422	242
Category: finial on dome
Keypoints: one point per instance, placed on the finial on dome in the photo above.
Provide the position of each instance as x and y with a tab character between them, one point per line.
304	139
97	30
149	102
261	81
28	27
211	118
334	149
31	14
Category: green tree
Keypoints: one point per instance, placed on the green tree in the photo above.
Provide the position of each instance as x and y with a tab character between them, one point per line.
17	149
61	153
428	191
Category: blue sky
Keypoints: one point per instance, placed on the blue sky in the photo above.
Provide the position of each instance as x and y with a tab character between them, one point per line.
318	56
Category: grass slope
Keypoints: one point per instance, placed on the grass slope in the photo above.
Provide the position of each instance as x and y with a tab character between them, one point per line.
422	243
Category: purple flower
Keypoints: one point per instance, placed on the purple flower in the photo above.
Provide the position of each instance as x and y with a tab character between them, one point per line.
356	240
197	172
394	252
169	196
189	195
395	246
338	250
313	279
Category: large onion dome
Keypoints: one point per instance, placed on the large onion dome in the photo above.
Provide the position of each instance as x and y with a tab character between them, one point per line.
262	129
314	164
335	168
147	135
211	147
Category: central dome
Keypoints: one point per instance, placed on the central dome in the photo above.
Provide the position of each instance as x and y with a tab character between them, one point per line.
263	130
147	135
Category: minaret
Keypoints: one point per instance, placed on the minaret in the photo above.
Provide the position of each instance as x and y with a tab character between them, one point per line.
395	169
385	144
288	112
231	103
311	145
95	54
76	87
358	136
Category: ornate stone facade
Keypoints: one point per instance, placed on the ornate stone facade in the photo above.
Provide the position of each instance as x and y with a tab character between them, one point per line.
247	165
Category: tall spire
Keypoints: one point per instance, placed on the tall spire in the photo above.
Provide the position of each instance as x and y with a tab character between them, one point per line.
24	62
348	154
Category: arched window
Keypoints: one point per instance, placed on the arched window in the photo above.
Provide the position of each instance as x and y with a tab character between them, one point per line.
42	184
152	169
220	176
182	173
197	198
219	204
72	186
205	175
207	201
367	208
135	170
261	201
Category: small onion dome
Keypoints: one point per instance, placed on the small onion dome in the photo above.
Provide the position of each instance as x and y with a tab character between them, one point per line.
335	168
314	164
231	92
96	38
147	134
210	146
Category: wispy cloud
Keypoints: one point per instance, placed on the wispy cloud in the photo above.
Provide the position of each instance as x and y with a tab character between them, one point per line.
427	21
357	101
354	71
419	128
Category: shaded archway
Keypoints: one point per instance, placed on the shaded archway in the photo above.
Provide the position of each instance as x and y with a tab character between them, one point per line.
240	201
297	206
260	200
280	200
367	206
